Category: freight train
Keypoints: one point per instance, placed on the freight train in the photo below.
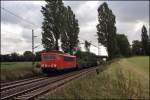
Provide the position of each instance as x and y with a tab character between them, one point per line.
58	61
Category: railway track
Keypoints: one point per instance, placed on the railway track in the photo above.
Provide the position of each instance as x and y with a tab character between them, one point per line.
31	89
18	81
23	82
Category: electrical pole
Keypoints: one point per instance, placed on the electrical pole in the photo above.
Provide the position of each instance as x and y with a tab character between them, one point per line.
98	48
32	47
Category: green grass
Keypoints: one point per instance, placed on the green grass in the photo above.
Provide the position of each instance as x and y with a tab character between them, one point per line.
17	70
121	79
16	65
141	62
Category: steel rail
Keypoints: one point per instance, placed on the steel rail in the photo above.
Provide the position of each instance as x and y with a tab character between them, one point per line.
3	88
32	89
18	81
49	87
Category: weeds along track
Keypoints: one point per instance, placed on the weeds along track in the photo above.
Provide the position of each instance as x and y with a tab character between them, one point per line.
33	88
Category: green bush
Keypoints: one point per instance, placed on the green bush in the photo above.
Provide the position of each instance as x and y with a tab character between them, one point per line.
37	65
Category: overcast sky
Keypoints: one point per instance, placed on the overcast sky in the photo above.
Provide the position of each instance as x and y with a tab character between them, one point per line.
16	33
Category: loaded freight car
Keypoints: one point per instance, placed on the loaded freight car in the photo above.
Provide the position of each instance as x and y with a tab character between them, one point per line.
86	59
56	61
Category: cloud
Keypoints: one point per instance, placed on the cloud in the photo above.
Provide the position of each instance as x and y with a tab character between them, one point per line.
20	41
130	11
87	12
88	31
130	17
131	29
11	39
26	10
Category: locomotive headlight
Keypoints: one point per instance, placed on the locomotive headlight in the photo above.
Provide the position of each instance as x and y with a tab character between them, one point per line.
45	65
54	65
42	65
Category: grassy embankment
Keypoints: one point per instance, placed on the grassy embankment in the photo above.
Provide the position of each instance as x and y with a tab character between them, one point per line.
17	70
125	78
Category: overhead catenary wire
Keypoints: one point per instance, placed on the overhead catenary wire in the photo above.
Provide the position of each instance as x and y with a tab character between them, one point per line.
8	11
91	44
29	21
38	45
8	32
16	33
38	36
88	41
19	17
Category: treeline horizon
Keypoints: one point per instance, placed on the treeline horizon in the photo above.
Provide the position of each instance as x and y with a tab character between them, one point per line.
26	56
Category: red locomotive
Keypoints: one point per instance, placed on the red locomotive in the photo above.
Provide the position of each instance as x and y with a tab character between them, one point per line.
53	61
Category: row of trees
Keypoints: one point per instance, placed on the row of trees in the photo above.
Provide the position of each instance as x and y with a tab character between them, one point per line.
26	56
59	24
29	56
117	44
137	48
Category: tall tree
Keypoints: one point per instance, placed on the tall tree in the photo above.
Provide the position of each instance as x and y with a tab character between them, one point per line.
106	30
136	47
69	38
144	40
52	24
64	37
123	44
87	46
149	46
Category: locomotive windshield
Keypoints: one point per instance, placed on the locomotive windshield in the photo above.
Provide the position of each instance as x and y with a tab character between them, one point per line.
66	58
48	57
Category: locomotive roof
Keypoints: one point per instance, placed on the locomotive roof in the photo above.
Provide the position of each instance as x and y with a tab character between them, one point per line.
58	53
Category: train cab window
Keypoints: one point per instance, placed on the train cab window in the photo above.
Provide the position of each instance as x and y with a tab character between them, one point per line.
66	58
48	57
